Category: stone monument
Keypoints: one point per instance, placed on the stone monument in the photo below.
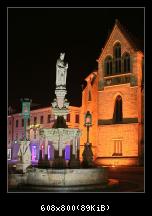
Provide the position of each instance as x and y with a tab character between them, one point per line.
60	135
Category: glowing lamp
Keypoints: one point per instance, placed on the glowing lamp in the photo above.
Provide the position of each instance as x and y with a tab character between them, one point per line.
88	119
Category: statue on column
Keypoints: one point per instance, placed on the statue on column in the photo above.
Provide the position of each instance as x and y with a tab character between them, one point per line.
61	71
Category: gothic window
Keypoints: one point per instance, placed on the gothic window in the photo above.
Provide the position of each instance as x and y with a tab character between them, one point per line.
117	148
126	63
108	65
89	96
117	58
117	116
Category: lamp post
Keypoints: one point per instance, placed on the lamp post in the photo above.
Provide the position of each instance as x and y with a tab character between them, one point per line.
87	153
88	123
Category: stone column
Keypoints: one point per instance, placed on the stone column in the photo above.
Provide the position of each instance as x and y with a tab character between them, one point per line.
60	148
74	161
44	162
46	149
78	147
40	151
74	146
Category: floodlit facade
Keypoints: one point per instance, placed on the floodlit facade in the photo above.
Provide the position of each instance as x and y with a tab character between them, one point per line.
39	118
113	94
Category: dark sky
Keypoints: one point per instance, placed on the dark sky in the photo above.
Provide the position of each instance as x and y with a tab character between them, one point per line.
37	36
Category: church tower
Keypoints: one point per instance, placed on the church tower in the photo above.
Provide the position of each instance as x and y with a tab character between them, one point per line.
119	100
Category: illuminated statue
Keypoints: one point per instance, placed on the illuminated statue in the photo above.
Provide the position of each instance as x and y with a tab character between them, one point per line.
61	71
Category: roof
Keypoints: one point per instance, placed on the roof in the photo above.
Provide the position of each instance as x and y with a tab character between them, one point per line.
136	43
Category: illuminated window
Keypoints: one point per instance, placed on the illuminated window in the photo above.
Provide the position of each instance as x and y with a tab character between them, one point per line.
22	122
126	63
117	116
41	120
49	118
108	65
117	148
16	123
76	118
35	120
117	58
89	96
68	118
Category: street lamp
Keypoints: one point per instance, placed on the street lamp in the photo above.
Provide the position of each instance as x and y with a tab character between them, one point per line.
87	153
88	123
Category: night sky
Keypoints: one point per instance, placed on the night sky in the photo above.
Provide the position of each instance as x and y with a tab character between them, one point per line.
37	36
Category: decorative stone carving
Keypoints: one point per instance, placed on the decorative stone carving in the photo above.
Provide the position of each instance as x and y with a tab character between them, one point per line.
24	155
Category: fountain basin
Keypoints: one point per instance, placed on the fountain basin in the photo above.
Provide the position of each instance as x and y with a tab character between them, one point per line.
59	177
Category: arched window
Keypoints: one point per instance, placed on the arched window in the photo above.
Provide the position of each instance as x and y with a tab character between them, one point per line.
117	57
108	65
126	63
117	116
89	96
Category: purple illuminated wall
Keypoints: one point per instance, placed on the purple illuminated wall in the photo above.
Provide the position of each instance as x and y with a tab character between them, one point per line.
67	152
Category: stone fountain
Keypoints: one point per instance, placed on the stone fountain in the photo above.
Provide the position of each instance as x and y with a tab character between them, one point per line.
56	174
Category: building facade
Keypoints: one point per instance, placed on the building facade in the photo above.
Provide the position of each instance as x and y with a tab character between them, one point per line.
39	118
114	95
